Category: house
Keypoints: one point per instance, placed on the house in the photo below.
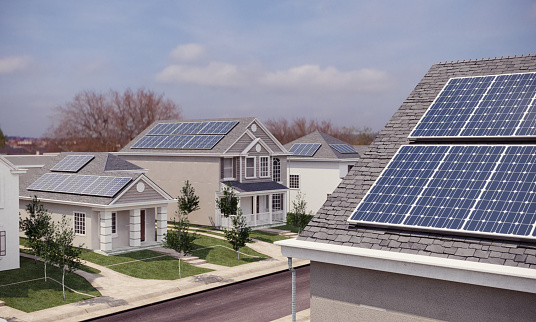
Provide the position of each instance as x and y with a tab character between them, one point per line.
316	167
211	154
9	215
436	221
113	206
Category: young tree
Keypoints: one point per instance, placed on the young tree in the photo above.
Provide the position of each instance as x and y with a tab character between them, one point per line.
95	121
36	225
179	238
228	204
238	235
299	216
62	251
47	245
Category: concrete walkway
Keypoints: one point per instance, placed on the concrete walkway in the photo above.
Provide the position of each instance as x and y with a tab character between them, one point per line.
121	292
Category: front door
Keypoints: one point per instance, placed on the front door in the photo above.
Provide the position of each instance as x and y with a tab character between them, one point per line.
142	223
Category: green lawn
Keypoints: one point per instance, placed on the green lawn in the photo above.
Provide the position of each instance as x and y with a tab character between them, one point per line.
38	295
210	249
145	264
288	227
266	237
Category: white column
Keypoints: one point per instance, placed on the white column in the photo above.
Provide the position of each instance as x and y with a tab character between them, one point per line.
270	196
254	210
161	223
105	230
135	228
284	205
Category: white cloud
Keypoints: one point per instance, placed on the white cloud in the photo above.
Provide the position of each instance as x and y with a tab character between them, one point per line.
13	63
306	78
188	52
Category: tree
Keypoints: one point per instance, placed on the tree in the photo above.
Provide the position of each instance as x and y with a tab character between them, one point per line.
62	251
107	121
299	216
35	226
2	139
179	238
228	204
238	235
286	131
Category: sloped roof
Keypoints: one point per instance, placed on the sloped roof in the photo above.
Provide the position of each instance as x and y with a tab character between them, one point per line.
225	143
255	186
325	151
330	223
96	167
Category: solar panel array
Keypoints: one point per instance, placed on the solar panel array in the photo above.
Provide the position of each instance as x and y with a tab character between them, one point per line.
80	184
473	188
485	106
73	163
185	135
343	148
305	149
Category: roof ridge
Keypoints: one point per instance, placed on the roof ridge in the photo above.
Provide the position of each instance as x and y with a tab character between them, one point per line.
484	59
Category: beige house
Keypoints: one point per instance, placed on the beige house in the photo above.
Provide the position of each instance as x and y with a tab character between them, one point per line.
238	152
113	206
436	223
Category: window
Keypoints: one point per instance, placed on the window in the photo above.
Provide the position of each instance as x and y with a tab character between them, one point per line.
276	170
114	223
276	202
250	167
264	172
2	243
80	223
228	168
350	167
294	181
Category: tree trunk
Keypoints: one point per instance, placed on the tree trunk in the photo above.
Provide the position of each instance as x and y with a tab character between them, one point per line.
238	251
63	272
180	266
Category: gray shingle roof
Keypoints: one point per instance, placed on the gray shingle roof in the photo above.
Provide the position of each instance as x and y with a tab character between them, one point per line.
325	151
330	225
255	186
95	167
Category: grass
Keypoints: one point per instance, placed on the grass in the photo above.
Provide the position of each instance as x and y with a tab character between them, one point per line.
30	296
266	237
220	252
145	264
291	228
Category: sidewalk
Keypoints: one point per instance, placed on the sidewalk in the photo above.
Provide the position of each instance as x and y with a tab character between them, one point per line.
121	292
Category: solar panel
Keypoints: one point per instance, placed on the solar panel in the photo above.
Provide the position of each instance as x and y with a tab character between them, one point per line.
80	184
305	149
149	142
202	142
343	148
483	189
483	106
218	127
72	163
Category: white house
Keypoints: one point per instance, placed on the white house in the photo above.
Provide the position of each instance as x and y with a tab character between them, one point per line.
9	214
212	154
113	206
316	167
437	220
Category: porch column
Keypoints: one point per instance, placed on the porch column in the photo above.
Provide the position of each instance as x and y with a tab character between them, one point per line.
254	210
135	228
105	230
161	223
284	205
270	198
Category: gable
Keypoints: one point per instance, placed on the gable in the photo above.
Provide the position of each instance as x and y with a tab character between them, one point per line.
140	191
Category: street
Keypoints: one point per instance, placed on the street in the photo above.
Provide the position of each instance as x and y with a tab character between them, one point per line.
262	299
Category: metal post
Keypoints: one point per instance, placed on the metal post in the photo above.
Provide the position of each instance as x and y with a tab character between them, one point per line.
290	268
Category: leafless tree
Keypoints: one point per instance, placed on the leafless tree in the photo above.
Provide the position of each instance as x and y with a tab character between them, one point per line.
107	121
286	131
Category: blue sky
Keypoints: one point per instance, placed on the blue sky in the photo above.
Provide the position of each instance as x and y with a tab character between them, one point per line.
351	62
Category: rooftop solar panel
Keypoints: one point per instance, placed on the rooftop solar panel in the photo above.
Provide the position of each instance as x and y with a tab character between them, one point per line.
483	106
477	189
305	149
343	148
73	163
80	184
202	142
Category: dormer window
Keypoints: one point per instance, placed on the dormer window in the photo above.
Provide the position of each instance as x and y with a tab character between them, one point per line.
250	167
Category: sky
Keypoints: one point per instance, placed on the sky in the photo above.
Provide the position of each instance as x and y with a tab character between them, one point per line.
350	62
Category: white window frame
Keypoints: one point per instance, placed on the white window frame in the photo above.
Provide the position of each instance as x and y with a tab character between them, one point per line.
254	168
264	167
79	223
231	177
294	181
276	202
114	224
3	241
276	169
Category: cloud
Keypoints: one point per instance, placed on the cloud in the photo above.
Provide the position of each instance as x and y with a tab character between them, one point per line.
305	78
188	52
13	63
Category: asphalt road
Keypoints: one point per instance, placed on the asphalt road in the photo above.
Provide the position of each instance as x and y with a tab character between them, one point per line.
261	299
